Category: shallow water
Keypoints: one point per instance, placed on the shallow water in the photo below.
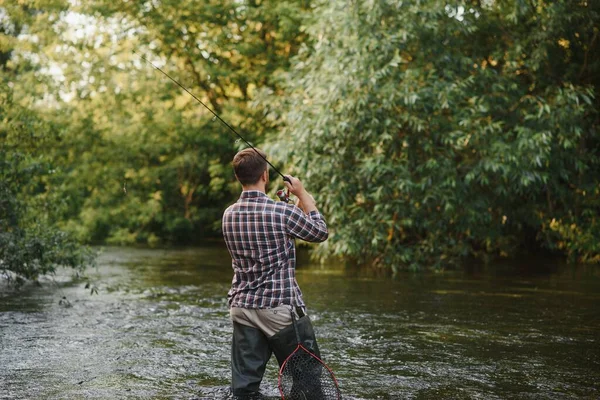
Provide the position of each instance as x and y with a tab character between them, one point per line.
158	328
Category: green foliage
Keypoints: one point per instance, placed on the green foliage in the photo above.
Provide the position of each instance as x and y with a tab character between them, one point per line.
30	244
145	163
434	132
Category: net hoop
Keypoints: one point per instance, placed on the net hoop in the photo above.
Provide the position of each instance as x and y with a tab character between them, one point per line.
301	347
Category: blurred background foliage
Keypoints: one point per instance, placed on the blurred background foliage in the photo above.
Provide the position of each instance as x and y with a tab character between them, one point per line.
429	131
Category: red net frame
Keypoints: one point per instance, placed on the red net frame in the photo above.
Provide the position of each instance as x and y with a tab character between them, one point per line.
304	376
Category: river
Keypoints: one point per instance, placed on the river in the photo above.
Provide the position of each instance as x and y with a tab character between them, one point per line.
158	328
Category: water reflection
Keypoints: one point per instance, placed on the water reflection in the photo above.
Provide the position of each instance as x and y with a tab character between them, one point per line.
158	328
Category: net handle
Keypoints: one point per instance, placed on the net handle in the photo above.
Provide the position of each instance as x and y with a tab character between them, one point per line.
295	325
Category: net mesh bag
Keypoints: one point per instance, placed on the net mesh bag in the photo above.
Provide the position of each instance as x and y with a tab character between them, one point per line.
303	376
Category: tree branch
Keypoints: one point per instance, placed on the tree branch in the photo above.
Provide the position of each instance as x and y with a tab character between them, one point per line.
585	58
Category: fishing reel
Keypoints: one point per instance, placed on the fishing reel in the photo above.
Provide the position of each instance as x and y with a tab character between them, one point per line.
284	195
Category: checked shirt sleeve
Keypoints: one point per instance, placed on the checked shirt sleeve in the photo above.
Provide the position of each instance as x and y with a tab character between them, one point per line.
311	227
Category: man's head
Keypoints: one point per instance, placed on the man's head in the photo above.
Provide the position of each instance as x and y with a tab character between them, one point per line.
249	167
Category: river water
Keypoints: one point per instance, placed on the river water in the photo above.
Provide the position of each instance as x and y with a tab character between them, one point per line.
158	328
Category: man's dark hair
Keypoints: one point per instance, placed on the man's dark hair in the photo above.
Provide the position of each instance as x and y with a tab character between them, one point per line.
249	166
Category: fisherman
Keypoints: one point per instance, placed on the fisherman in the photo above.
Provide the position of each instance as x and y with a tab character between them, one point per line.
260	234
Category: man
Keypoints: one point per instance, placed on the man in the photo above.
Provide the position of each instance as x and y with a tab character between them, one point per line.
259	234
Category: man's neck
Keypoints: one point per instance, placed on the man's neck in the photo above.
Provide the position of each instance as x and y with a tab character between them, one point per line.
259	188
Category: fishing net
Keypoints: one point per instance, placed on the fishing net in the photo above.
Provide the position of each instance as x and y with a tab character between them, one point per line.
303	376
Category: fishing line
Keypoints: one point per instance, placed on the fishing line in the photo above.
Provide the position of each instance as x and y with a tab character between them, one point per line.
285	178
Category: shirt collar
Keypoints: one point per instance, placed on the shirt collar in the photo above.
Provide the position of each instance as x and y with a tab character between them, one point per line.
248	194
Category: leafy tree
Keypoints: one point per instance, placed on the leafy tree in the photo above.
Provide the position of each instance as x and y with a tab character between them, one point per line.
145	162
30	244
436	131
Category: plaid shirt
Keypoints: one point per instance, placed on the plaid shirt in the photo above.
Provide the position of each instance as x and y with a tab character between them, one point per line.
259	234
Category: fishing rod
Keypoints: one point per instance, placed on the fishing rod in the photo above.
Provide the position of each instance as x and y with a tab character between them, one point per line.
285	178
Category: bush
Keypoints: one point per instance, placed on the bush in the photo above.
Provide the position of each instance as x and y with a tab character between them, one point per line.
435	132
30	245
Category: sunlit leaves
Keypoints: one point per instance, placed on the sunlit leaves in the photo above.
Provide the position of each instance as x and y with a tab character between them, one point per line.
130	133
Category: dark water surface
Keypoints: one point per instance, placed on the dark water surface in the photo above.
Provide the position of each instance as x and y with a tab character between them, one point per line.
159	329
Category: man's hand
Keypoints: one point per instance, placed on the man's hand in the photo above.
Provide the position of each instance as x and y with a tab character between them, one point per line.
305	200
